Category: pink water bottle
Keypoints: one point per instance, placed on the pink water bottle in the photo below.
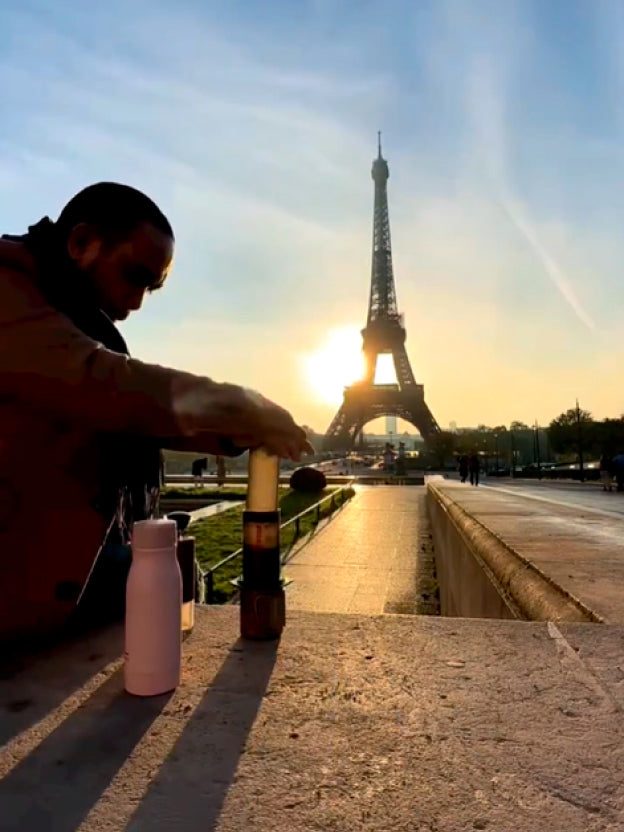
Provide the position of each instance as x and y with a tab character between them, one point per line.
153	610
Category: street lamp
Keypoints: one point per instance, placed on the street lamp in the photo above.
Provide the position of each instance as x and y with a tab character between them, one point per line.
496	446
580	442
513	453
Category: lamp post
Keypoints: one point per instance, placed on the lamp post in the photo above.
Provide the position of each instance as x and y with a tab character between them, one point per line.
580	442
537	452
513	453
496	450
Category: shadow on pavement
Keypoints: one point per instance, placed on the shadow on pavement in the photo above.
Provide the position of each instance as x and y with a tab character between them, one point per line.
57	784
33	683
191	787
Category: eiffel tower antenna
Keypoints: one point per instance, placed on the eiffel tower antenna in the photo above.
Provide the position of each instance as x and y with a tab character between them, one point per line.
384	333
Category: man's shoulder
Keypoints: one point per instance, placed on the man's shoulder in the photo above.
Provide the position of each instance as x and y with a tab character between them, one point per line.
20	285
15	257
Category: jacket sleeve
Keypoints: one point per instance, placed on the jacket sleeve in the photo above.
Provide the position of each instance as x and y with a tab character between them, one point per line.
209	444
49	365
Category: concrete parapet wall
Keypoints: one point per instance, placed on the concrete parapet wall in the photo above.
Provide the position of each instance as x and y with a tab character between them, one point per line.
480	576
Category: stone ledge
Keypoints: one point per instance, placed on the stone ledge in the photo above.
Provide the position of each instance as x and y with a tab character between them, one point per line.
349	724
528	591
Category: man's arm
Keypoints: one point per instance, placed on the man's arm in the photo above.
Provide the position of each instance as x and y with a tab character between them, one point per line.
209	444
49	364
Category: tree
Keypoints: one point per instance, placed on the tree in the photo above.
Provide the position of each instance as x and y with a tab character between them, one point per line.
571	417
439	452
572	428
609	437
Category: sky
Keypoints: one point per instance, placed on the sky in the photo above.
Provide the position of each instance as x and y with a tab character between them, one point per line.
254	125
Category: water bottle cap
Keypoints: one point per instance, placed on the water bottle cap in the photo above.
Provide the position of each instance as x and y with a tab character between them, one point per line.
154	534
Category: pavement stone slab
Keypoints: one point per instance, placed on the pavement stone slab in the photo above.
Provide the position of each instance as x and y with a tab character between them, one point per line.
348	723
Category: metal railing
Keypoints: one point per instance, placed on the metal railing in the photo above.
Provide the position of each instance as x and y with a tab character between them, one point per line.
206	576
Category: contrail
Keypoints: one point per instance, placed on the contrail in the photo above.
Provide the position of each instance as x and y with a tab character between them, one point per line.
487	105
551	267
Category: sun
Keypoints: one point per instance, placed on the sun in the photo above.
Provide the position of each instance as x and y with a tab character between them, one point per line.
338	363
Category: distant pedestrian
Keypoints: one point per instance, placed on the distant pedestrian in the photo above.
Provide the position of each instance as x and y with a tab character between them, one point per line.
606	472
388	457
221	472
474	466
618	470
463	467
400	461
198	467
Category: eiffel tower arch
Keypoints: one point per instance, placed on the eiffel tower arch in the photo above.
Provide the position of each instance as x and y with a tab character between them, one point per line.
384	333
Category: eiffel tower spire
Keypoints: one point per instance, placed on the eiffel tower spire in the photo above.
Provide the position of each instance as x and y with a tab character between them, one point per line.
382	302
384	333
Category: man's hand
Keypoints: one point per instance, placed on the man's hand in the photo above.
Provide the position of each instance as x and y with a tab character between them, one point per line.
202	406
272	427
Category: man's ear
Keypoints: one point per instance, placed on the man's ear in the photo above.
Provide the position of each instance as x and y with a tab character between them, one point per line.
83	242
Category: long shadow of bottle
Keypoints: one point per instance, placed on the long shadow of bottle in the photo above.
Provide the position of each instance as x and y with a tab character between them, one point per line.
192	784
56	785
33	684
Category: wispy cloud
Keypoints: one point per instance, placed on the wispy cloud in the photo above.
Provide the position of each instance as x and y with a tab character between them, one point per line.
550	266
487	106
256	132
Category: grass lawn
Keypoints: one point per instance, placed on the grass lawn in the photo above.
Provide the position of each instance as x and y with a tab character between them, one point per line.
221	535
172	492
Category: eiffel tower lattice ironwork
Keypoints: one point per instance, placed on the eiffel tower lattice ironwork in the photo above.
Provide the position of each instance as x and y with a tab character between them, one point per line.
384	333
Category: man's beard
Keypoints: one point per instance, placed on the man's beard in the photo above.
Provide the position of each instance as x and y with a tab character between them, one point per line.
90	280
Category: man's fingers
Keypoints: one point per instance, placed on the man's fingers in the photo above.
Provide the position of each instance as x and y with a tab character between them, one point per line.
276	445
287	447
273	427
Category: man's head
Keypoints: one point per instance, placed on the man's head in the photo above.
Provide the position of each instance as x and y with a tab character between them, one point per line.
121	241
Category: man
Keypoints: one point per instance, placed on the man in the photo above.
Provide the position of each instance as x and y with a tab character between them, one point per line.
82	423
474	466
198	467
618	468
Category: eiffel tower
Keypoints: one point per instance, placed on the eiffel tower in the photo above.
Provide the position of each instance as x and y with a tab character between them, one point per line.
384	333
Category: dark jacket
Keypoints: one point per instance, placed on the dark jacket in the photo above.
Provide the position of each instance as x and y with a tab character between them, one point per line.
70	411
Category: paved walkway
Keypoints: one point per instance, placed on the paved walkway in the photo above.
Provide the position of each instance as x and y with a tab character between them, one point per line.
585	495
214	508
374	557
581	549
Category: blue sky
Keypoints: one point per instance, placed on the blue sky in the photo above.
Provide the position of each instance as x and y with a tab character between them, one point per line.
253	125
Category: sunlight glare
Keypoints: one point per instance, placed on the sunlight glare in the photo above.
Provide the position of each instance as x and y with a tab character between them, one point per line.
384	371
335	365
